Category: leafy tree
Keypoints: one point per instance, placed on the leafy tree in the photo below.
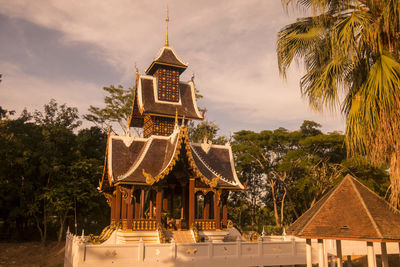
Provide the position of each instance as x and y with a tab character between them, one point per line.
288	171
118	108
4	112
50	172
206	130
352	46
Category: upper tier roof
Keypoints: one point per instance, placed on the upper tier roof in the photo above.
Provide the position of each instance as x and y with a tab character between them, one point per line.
149	160
350	211
146	99
167	57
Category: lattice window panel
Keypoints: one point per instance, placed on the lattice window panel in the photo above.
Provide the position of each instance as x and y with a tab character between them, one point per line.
147	126
163	126
168	84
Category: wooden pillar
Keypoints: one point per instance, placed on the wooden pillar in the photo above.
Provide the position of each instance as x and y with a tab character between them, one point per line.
130	210
349	261
217	211
118	206
225	212
308	253
191	201
339	262
151	208
332	262
385	260
137	206
113	206
124	214
206	211
172	204
158	206
183	202
371	255
321	253
142	204
165	201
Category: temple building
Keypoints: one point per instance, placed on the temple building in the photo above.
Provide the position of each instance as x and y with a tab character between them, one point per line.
163	186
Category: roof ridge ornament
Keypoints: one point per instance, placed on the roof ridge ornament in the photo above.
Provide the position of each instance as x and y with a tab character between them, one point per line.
206	144
166	34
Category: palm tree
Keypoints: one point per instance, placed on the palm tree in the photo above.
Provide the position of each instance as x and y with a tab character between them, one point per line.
350	48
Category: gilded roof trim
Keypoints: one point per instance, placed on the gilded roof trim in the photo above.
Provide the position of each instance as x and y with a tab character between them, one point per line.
105	166
150	179
144	152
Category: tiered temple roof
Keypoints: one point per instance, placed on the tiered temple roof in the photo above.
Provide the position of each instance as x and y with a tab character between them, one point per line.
148	160
146	101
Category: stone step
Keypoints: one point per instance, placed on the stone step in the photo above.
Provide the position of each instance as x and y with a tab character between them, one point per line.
182	236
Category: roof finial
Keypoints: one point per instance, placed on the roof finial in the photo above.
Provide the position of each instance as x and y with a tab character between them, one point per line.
166	35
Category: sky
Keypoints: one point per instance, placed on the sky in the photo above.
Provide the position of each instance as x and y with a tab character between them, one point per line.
69	49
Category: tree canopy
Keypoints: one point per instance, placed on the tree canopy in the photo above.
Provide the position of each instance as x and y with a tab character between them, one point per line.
352	46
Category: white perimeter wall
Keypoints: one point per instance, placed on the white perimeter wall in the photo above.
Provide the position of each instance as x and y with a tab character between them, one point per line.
271	252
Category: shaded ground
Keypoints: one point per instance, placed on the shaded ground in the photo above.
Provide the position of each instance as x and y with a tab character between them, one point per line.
31	254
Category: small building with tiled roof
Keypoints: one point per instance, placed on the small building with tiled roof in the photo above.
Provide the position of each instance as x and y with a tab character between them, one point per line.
350	211
163	180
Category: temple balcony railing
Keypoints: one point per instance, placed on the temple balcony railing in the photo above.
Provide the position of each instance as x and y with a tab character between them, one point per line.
205	224
143	225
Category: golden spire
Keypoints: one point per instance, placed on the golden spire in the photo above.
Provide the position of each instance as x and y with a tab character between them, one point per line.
166	35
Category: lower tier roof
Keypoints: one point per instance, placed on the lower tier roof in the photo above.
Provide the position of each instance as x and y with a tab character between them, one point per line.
148	160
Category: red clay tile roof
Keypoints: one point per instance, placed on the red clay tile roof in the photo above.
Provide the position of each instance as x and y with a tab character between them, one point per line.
166	57
350	211
142	160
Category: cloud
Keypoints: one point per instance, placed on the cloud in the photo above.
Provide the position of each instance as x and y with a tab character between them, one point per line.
230	46
29	91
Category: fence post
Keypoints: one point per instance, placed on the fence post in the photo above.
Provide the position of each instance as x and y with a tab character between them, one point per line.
239	246
294	252
260	246
141	250
173	249
210	248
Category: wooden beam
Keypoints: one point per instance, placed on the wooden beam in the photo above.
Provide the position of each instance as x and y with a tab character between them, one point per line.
191	201
142	204
224	212
124	214
206	211
113	205
118	206
158	205
217	210
130	211
137	206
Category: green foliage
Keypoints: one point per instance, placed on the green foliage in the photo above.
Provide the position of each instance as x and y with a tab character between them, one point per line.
206	130
49	172
352	46
118	107
288	171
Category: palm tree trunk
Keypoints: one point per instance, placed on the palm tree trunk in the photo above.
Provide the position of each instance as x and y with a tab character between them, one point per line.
395	179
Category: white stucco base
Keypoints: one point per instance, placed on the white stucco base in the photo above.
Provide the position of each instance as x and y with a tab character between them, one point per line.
214	236
129	237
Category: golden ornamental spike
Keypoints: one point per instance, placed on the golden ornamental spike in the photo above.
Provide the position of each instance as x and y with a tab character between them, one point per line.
176	116
166	35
